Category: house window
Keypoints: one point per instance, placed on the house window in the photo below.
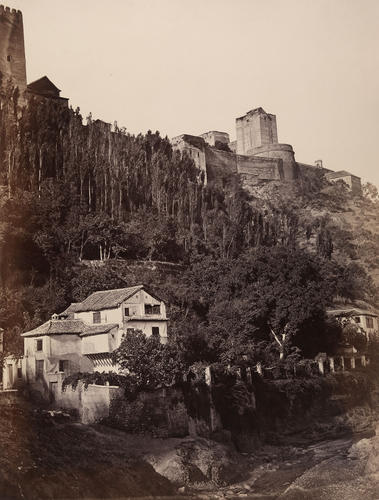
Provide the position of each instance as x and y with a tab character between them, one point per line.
19	372
152	309
126	311
9	58
155	331
370	322
39	345
96	317
39	368
357	319
62	365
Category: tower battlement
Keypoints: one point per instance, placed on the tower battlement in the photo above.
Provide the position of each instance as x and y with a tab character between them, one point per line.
12	14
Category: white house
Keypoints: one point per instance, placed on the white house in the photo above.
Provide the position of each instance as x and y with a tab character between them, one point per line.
366	319
82	338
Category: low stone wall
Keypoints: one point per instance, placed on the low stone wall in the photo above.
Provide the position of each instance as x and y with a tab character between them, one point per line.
91	403
167	412
161	412
95	402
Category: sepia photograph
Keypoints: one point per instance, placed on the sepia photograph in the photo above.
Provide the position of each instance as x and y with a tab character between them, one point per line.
189	235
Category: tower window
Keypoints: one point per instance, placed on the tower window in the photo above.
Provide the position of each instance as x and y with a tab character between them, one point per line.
9	58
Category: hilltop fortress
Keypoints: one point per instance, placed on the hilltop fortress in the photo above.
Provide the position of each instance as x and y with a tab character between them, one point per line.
13	62
256	155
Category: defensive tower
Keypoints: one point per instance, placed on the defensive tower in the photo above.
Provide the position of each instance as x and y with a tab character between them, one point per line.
256	128
12	48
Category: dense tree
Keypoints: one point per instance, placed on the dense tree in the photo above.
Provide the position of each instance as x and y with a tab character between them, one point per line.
146	362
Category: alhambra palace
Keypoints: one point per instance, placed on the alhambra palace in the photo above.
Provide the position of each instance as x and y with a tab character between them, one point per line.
256	155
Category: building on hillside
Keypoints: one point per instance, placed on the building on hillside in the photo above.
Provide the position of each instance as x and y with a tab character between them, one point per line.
83	337
256	155
13	61
43	89
365	319
353	182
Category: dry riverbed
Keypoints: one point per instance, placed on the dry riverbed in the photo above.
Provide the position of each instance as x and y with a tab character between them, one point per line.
51	458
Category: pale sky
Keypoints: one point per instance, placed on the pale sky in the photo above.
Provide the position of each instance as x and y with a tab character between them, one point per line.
181	66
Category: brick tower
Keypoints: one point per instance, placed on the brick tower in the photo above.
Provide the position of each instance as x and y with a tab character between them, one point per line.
12	48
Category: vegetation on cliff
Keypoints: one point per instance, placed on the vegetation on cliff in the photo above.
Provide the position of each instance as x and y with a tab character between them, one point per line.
256	269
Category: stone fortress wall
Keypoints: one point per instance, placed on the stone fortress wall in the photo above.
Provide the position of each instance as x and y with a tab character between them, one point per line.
256	155
12	48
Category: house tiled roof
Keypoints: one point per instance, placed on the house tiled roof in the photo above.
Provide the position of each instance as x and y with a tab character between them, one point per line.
59	326
350	311
340	173
69	326
69	312
107	299
97	329
44	86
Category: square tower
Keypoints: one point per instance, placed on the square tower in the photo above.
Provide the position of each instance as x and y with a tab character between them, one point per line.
256	128
12	48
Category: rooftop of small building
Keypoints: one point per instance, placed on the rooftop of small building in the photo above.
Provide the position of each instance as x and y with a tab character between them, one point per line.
350	311
340	173
68	327
107	299
42	84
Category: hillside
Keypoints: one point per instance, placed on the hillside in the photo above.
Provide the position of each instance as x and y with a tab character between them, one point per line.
325	213
74	192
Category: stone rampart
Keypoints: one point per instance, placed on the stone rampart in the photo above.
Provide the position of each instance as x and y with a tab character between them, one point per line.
281	151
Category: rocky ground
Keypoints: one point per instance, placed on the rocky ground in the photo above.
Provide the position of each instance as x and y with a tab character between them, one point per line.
52	457
335	469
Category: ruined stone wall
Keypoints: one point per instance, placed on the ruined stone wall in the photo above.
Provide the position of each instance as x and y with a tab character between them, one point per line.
213	136
12	49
